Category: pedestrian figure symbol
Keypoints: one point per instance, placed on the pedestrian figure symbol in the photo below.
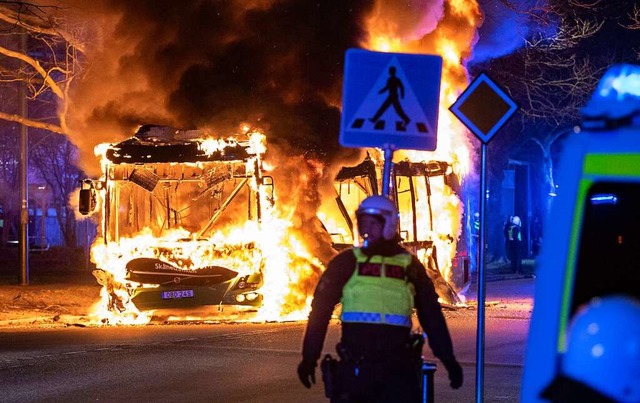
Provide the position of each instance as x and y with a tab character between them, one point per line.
390	99
398	112
395	88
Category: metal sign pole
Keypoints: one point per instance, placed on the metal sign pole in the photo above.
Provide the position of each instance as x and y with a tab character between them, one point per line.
24	179
386	174
482	91
481	278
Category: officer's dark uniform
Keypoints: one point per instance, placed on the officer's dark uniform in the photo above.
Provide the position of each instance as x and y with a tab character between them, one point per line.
513	240
381	366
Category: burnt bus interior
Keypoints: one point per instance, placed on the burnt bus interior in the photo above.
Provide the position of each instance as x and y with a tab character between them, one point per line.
165	188
414	183
162	197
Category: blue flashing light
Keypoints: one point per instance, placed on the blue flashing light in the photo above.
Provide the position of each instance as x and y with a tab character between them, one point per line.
617	97
603	198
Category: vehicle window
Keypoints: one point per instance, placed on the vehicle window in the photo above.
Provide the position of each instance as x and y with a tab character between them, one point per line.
609	248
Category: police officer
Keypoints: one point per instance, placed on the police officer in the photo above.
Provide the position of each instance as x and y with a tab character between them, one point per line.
378	284
513	238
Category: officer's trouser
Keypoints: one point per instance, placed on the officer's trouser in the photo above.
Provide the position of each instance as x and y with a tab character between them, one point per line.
390	378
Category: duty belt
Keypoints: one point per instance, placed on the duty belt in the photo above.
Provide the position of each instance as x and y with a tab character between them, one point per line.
372	317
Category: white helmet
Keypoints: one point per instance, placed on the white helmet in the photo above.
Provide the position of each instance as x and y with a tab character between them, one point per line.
515	220
382	207
603	347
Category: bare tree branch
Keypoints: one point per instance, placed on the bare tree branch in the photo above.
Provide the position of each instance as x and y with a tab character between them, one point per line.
634	18
591	4
539	12
51	83
569	34
38	23
25	20
31	123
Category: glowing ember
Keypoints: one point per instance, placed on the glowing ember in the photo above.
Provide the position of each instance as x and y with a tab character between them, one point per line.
209	146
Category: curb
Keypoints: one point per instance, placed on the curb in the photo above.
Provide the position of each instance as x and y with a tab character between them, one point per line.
46	321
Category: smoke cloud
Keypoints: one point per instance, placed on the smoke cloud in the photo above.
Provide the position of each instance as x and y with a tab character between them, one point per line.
277	65
507	25
411	21
274	64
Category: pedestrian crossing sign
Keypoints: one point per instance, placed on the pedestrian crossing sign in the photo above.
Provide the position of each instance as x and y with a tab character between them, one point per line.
390	100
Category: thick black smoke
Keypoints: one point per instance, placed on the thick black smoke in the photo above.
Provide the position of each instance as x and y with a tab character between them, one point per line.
277	65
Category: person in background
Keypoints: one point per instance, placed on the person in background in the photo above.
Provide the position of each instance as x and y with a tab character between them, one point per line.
513	239
378	285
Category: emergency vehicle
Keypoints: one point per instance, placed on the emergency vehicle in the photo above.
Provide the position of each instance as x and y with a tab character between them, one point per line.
591	245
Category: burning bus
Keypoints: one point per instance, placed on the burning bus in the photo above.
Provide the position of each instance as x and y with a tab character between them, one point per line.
188	221
423	191
163	198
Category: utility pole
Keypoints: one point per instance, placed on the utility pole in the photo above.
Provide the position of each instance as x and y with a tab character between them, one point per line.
24	186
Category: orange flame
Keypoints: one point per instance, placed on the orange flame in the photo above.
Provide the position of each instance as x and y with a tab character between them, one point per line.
270	245
452	39
267	246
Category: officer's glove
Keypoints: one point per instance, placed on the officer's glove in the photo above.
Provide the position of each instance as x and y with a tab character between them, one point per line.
307	373
455	372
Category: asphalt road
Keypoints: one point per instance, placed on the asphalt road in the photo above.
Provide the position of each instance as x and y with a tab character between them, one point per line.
230	362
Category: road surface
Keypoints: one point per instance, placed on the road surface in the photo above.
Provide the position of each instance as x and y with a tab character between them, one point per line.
228	362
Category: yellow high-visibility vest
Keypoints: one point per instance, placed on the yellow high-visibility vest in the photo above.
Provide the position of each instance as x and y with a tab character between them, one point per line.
378	291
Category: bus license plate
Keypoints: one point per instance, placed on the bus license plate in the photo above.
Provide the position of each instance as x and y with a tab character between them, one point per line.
177	294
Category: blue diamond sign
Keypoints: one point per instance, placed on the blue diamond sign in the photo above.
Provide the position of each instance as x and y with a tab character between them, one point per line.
484	107
390	100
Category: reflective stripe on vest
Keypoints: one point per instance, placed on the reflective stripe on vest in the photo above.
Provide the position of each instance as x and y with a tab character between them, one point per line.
370	317
378	291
